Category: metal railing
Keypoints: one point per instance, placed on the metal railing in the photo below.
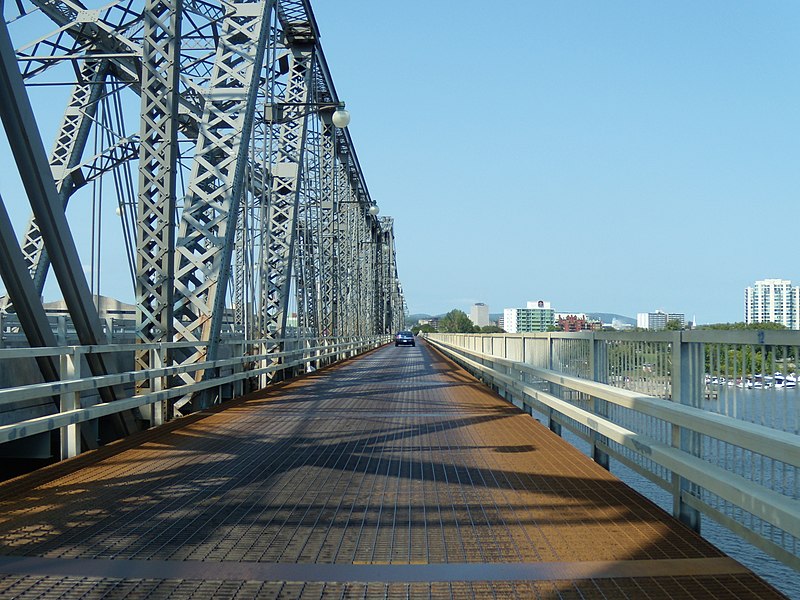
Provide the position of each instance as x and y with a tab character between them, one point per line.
73	400
711	417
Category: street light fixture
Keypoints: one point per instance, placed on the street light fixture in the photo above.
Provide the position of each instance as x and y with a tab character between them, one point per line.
276	112
341	117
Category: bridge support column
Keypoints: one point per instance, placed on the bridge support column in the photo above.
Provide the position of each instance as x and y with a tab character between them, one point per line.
688	369
598	363
554	426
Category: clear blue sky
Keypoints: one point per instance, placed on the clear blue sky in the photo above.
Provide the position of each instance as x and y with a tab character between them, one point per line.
617	156
614	156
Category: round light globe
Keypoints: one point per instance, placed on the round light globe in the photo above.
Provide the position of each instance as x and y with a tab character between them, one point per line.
374	210
118	210
341	118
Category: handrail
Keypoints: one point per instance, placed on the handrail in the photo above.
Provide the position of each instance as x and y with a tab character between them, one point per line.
616	418
70	388
751	436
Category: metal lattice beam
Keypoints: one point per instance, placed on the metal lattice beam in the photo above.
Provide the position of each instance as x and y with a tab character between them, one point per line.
238	97
158	172
210	213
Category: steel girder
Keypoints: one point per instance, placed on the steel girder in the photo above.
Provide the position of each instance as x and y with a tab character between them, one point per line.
158	173
304	230
328	280
26	145
66	155
281	211
210	213
391	309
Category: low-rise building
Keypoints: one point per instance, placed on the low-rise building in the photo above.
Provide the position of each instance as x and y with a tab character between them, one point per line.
573	322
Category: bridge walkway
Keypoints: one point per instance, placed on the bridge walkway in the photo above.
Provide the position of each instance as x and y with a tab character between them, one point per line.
393	475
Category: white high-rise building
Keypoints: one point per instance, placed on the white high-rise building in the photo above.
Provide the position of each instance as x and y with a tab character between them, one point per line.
773	301
658	320
479	314
537	316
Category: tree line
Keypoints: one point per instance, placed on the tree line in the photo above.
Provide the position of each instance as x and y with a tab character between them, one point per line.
456	321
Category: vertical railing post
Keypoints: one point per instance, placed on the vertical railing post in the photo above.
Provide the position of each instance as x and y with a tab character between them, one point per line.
158	383
61	335
70	367
263	378
554	426
238	369
598	367
688	365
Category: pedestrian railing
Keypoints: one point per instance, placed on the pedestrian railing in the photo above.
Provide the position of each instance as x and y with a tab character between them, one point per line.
709	416
73	401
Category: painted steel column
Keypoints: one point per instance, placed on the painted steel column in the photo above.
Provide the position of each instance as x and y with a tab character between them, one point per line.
25	298
328	275
158	173
285	193
688	369
598	365
208	222
307	267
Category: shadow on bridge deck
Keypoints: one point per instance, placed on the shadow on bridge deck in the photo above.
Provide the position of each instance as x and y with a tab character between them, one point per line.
394	475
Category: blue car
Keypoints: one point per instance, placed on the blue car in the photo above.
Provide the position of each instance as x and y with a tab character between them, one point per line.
404	338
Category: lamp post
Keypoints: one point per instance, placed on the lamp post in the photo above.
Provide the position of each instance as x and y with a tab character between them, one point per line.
276	112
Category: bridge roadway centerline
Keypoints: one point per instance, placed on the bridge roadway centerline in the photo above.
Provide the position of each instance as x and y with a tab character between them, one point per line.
395	473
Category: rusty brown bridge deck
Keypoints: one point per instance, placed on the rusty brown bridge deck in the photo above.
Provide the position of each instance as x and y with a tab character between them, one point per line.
393	475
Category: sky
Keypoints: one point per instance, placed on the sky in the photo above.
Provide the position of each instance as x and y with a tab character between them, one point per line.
615	156
619	156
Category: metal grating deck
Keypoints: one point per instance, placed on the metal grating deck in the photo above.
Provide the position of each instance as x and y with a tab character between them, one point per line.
393	476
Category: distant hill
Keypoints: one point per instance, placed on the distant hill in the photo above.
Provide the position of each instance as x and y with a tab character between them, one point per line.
417	317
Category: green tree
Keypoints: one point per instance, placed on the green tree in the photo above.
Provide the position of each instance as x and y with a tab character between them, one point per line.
741	325
427	328
456	321
674	325
492	329
745	360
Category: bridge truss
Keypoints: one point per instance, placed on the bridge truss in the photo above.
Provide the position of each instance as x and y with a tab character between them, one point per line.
243	208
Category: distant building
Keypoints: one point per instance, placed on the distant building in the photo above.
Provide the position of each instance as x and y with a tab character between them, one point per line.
537	316
501	322
564	315
658	320
433	322
573	323
479	314
773	301
106	308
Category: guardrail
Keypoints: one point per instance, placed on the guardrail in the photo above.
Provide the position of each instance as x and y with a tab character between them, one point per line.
252	362
709	416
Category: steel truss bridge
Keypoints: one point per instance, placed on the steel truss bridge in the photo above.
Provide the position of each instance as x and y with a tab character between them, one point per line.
253	244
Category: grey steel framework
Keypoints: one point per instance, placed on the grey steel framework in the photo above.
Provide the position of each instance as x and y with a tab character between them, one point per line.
249	217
